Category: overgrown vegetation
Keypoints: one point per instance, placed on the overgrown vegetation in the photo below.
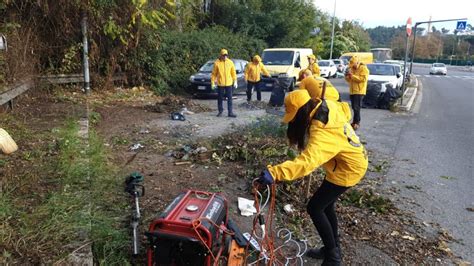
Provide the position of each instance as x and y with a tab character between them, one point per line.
75	202
156	42
168	66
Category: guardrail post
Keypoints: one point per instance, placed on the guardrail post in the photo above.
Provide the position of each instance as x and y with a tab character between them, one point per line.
85	54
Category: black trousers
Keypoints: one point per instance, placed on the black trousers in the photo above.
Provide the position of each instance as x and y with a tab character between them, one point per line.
255	85
356	103
321	208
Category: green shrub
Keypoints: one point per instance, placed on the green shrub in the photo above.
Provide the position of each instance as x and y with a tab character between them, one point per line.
167	67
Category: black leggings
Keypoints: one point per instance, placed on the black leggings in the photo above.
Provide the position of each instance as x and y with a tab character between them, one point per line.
321	208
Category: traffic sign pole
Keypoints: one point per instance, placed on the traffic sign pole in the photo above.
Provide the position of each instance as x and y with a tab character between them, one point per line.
404	84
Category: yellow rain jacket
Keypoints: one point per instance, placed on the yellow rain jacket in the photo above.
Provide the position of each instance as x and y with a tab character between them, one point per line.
333	145
254	69
314	86
224	73
358	80
314	68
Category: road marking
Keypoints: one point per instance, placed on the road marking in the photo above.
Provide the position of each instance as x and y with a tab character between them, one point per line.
449	77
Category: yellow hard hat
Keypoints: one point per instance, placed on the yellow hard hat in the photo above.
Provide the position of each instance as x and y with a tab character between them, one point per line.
312	56
224	52
293	101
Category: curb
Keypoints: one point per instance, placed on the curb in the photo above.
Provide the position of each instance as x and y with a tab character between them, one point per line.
407	107
410	102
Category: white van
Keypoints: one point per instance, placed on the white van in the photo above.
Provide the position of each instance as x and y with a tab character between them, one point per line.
284	65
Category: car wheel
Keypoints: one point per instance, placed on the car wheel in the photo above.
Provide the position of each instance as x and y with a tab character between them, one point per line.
335	75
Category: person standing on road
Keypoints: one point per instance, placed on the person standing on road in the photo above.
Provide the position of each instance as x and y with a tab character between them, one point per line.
321	131
313	65
223	73
252	75
357	76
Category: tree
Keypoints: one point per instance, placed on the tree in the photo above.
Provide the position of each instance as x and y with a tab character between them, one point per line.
278	22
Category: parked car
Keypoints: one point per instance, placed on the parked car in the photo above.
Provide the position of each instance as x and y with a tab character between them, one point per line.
438	68
399	63
328	68
200	82
386	73
340	64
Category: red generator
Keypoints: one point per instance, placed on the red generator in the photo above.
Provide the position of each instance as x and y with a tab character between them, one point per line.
188	229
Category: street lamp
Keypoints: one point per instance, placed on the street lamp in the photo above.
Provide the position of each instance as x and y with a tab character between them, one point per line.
333	24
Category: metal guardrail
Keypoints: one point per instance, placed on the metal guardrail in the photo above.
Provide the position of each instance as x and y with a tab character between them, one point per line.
19	88
9	95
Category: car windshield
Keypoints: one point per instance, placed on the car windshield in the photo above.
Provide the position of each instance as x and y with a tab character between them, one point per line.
323	63
346	57
381	70
337	62
207	67
438	65
280	58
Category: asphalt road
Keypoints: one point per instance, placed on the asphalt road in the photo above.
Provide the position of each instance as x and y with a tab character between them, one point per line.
430	152
439	142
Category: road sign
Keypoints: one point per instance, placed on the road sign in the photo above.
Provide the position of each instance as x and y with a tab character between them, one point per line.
409	27
461	25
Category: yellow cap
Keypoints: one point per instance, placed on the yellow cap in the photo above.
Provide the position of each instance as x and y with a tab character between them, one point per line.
302	72
257	58
224	52
312	56
293	101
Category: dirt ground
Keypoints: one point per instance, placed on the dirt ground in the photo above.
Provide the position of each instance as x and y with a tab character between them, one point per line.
368	237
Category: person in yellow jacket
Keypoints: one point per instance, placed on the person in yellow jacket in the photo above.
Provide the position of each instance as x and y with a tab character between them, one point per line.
320	129
313	65
253	71
357	77
314	86
223	73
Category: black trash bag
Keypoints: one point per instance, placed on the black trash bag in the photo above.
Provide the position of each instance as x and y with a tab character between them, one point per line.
389	97
277	97
372	95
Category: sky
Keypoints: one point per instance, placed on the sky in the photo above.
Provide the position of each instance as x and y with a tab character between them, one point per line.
373	13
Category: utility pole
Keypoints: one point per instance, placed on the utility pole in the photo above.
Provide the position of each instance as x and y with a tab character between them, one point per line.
333	25
414	36
85	54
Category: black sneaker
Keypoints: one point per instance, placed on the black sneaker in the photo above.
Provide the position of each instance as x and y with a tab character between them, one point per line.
315	253
219	114
233	115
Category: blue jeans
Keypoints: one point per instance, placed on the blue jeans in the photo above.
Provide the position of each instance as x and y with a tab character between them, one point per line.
227	91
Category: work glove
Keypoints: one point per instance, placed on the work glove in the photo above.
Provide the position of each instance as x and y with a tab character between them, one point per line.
235	85
265	178
213	87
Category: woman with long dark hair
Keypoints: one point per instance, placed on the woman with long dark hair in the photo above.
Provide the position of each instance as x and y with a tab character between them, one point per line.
320	129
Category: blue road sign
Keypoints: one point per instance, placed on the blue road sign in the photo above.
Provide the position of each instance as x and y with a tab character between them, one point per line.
461	25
